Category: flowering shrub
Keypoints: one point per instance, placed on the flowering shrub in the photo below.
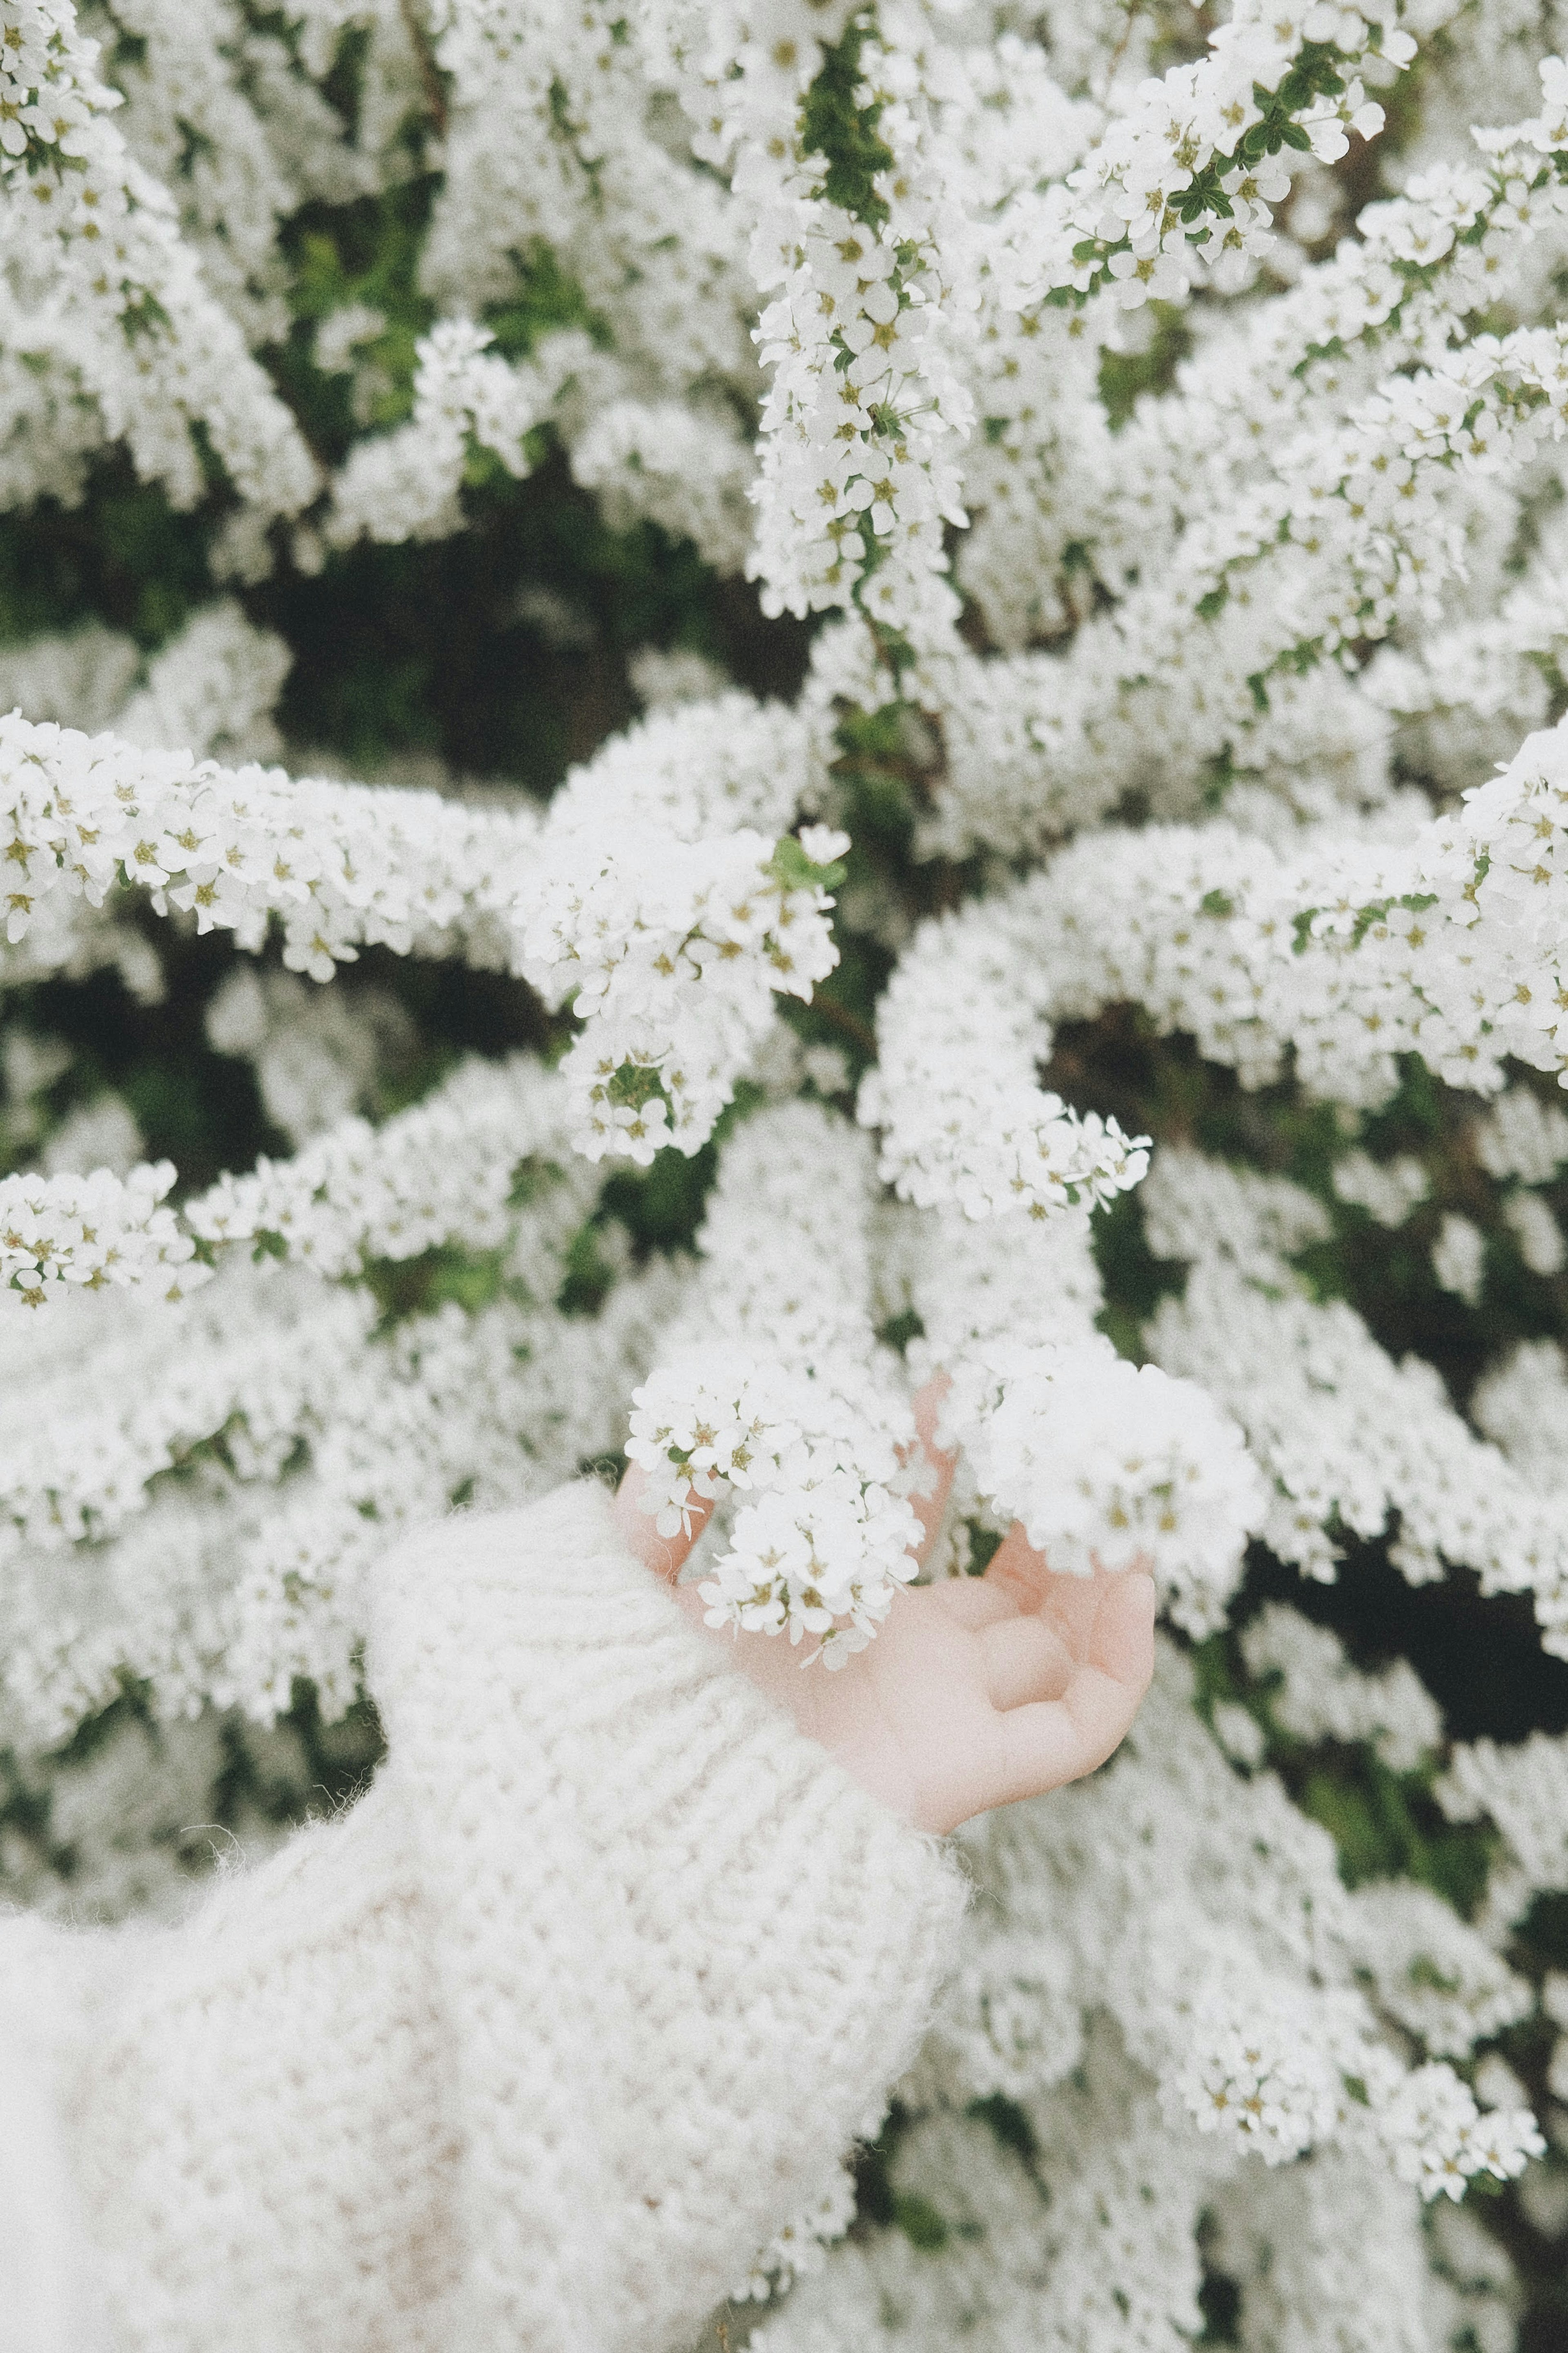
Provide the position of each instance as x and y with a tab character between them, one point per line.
716	706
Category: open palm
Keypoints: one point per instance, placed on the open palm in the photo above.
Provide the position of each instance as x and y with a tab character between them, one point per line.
975	1691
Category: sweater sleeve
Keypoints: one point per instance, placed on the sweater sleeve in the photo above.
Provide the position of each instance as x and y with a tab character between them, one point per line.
684	1953
539	2044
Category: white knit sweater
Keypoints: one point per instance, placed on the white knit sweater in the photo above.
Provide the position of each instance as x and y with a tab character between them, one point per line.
533	2049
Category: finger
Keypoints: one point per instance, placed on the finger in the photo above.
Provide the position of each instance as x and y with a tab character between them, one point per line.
1070	1603
1123	1644
1047	1742
1025	1660
665	1555
1066	1601
1018	1569
972	1601
932	1509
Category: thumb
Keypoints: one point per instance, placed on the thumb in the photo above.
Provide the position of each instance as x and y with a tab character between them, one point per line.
665	1555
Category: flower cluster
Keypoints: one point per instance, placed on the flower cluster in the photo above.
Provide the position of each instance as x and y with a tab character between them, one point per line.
1522	1404
405	484
681	466
1439	2138
828	1539
1280	2088
559	130
858	473
1443	943
953	1089
672	908
1522	1137
1524	1790
1185	176
553	133
338	864
211	688
1436	1976
118	1397
1105	1464
969	1281
1287	496
476	1161
131	317
242	1566
784	1408
669	936
1110	1465
1270	2082
1319	1696
1163	1948
1346	1435
671	952
314	1052
67	1233
1387	1190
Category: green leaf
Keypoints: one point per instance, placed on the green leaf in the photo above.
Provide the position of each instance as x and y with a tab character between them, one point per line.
919	2221
790	865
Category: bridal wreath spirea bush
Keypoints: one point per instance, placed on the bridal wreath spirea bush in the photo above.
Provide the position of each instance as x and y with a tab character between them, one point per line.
712	706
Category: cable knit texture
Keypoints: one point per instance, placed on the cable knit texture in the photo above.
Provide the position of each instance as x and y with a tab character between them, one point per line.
533	2049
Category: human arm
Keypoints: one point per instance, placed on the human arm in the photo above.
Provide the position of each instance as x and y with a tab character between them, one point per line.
541	2042
974	1691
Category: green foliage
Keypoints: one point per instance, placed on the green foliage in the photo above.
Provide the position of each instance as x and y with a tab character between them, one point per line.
1382	1830
364	252
196	1107
418	1286
1163	1087
272	1777
833	126
1384	1825
921	2223
795	871
900	1329
543	299
1135	1279
501	651
123	556
1219	2297
1010	2124
590	1272
661	1206
1125	377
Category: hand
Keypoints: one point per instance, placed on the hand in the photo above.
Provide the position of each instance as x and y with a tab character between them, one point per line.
974	1691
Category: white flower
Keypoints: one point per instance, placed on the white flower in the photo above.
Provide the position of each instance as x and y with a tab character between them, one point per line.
1110	1466
1459	1258
823	843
